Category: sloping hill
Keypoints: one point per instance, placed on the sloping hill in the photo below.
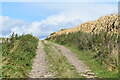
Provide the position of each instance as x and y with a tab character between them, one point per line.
105	23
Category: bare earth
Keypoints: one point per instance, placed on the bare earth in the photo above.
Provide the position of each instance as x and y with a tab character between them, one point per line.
81	68
39	68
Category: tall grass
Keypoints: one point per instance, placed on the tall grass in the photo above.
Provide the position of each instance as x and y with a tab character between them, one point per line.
0	60
17	55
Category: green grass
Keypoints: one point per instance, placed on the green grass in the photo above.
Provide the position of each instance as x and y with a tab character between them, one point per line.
98	69
0	60
87	56
59	63
17	55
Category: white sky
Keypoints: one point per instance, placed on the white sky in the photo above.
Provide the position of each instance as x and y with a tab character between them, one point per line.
60	0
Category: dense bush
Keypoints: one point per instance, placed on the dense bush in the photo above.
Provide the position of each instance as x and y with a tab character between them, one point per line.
104	44
17	55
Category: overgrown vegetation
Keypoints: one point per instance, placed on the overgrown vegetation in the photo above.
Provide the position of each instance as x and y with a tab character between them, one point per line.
59	65
103	44
0	59
17	55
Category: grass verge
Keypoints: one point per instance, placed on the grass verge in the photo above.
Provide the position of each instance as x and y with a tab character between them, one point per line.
0	60
17	55
98	69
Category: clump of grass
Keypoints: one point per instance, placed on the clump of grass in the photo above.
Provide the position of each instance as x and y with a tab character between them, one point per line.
59	64
17	55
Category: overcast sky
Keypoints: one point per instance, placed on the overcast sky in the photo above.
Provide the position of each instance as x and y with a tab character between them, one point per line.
42	18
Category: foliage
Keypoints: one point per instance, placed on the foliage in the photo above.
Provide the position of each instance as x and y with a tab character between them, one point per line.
62	29
52	33
17	55
104	44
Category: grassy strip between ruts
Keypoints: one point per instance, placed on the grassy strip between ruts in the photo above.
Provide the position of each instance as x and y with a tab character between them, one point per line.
59	65
94	66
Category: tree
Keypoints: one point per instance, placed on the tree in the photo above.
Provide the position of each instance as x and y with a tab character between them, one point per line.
53	33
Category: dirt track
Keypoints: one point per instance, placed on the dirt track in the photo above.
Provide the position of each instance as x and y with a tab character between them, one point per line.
40	66
81	68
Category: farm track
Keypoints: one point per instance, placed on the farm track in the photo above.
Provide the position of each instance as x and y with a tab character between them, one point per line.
40	66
